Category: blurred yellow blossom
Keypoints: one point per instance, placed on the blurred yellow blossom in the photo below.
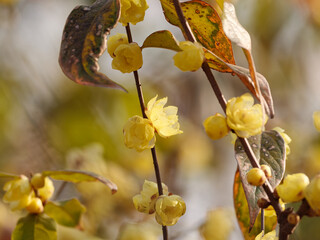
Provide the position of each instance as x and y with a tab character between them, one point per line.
169	209
47	190
190	58
285	137
218	224
114	41
312	194
316	120
132	11
292	188
128	58
216	126
244	117
146	200
139	133
18	193
164	119
269	236
139	231
35	205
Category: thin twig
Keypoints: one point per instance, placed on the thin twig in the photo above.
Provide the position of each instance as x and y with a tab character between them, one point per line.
153	150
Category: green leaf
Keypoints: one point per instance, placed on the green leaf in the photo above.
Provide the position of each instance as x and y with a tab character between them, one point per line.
242	213
206	25
84	41
162	39
35	227
67	213
80	176
8	175
269	149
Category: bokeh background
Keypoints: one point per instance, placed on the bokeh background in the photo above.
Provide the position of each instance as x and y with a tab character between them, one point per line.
49	122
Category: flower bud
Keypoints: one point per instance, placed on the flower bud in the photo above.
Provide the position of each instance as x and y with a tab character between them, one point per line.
146	200
293	218
292	188
312	194
37	180
35	206
139	133
169	209
216	126
190	58
263	203
128	58
267	170
256	177
47	190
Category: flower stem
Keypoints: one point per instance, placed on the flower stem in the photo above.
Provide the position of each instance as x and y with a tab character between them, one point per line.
153	150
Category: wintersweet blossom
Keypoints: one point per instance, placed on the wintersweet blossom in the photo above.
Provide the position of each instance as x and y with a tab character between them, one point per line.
114	41
47	190
169	209
292	188
139	133
132	11
35	205
18	193
146	200
190	58
216	126
269	236
244	117
312	194
316	120
128	58
218	224
164	119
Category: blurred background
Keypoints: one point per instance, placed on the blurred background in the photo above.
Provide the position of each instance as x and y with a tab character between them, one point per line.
49	122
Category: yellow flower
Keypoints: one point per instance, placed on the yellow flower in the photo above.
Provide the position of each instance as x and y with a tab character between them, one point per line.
190	58
146	200
139	133
132	11
312	194
292	188
139	231
244	117
35	206
128	58
316	120
256	177
18	193
285	137
47	190
114	41
216	126
169	209
164	120
269	236
218	224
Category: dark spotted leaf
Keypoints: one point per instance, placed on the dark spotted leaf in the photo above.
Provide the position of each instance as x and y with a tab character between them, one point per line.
35	227
77	176
84	41
269	149
242	213
206	25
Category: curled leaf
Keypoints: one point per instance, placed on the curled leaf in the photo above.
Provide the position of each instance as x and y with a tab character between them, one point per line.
269	149
162	39
84	41
76	176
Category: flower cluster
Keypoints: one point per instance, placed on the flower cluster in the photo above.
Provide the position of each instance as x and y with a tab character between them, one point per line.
190	58
127	57
168	208
132	11
139	133
243	117
29	194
